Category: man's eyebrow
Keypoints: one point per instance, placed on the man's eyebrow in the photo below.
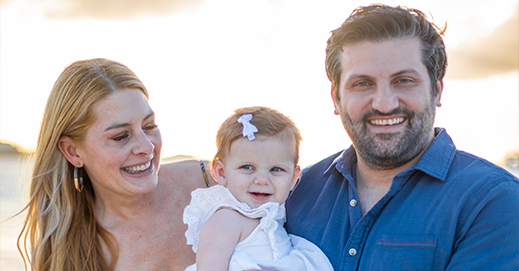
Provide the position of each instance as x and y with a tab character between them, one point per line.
413	71
126	124
359	75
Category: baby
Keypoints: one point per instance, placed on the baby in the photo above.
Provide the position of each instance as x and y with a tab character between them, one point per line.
238	224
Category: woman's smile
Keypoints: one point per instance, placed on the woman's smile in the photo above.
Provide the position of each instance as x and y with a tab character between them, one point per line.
140	168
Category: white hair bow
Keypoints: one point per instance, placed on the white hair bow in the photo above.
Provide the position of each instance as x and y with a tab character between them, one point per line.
248	128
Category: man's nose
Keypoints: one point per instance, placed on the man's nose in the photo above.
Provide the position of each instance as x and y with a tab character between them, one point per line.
385	99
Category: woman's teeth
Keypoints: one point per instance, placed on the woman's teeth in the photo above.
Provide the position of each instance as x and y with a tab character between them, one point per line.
388	122
137	168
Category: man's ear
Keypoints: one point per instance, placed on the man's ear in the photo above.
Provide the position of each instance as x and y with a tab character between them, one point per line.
439	87
336	111
219	172
295	177
68	149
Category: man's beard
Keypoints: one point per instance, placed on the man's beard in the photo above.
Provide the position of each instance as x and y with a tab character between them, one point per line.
385	151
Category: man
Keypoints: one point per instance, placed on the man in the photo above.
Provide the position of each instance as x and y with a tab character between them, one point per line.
402	197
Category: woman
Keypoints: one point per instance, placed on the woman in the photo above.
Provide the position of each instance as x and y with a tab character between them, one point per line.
97	200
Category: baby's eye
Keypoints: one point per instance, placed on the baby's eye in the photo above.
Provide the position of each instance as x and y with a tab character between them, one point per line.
249	167
277	169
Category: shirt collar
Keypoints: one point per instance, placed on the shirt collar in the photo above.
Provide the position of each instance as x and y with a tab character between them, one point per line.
435	161
344	161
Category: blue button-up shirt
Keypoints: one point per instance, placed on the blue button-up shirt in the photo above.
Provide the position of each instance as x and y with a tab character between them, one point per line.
450	211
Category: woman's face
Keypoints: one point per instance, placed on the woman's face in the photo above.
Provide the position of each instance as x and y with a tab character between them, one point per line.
121	151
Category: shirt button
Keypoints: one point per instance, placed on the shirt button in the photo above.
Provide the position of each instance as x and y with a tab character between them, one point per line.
353	203
352	252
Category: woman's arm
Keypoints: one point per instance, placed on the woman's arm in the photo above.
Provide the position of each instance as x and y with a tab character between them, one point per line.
218	237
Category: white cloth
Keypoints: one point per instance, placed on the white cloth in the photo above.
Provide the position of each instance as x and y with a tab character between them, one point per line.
268	245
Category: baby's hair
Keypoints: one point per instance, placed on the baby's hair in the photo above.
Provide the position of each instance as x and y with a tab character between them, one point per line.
269	122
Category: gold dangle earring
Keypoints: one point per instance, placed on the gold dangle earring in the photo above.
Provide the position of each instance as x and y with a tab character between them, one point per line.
78	181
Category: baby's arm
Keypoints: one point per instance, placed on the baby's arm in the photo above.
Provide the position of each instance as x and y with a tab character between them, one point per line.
218	237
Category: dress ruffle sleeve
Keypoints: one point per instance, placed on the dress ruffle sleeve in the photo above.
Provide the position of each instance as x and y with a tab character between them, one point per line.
206	201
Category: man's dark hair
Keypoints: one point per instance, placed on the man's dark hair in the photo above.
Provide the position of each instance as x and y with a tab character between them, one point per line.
381	23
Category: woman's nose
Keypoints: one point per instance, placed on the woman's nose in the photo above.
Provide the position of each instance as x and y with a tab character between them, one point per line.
143	144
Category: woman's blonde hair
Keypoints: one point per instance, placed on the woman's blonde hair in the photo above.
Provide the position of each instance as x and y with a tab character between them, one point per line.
61	231
269	122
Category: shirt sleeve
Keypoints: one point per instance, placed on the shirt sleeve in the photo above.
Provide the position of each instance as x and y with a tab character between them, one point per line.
488	234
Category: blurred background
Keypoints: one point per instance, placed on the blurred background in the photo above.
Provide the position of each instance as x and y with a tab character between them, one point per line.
202	59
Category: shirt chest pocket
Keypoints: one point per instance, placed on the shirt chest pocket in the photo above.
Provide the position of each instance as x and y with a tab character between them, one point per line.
402	253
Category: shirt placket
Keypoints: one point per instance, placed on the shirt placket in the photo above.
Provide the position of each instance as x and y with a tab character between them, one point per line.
350	253
362	225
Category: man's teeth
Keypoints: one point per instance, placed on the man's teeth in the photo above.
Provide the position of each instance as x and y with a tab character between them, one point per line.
138	168
388	122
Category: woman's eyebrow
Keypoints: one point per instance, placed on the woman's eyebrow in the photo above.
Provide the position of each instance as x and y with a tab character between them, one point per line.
126	124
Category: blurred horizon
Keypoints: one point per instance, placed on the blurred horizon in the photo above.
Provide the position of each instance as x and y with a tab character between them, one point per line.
201	60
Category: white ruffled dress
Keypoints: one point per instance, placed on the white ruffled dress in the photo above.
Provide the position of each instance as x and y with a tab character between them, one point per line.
268	245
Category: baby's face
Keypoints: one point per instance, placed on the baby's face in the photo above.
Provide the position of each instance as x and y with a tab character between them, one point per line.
261	170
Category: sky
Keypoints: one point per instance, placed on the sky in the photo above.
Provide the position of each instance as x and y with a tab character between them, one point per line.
202	59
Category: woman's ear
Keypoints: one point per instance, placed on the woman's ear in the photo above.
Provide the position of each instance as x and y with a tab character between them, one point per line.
219	172
68	149
295	177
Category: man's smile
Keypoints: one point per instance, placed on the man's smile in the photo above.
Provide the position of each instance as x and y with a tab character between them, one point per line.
384	122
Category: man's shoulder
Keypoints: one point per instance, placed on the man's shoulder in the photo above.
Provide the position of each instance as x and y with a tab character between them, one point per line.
478	168
322	172
322	165
447	162
480	180
317	187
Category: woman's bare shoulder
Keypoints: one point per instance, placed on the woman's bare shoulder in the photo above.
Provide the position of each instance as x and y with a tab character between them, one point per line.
187	174
186	168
